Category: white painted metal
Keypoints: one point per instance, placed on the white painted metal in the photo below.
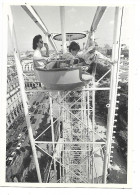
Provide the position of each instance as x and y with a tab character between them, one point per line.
23	94
98	15
49	142
52	123
47	39
95	88
103	76
84	89
114	82
35	17
93	118
62	18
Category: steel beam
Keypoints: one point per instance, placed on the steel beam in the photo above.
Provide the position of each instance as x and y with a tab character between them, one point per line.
35	17
55	142
23	94
98	15
62	17
114	82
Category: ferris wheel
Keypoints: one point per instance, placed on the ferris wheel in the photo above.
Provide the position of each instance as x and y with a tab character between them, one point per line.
77	151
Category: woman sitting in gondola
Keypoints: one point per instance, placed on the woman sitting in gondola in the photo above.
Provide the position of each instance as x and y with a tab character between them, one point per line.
41	60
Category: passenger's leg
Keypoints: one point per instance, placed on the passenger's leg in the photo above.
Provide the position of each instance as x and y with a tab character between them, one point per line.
87	77
92	68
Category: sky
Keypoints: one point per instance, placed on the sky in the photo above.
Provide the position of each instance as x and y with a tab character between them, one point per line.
77	19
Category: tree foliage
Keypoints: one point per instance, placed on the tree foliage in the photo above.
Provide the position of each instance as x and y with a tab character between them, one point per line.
31	176
102	98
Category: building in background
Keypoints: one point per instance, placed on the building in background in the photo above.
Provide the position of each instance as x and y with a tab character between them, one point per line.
14	101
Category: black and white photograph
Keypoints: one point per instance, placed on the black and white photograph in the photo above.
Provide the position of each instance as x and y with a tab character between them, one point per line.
67	95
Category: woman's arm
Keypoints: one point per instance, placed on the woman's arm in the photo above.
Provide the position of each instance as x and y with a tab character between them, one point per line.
47	50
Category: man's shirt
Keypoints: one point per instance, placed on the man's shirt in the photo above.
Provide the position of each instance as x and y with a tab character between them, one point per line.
90	55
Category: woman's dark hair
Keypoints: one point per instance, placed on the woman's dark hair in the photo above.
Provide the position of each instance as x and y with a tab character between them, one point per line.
74	46
36	40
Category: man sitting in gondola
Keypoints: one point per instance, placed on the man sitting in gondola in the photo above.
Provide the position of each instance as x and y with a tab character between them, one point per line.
86	59
74	61
92	56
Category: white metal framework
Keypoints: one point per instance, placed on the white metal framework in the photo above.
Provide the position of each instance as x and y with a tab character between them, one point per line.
35	17
78	152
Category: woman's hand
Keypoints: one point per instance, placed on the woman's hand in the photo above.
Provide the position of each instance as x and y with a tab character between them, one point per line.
47	49
46	45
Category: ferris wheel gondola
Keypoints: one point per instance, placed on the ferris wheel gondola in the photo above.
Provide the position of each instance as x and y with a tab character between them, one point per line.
63	78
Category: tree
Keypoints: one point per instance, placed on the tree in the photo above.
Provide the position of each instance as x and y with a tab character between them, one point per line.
18	152
109	52
26	162
22	149
107	46
8	146
31	176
